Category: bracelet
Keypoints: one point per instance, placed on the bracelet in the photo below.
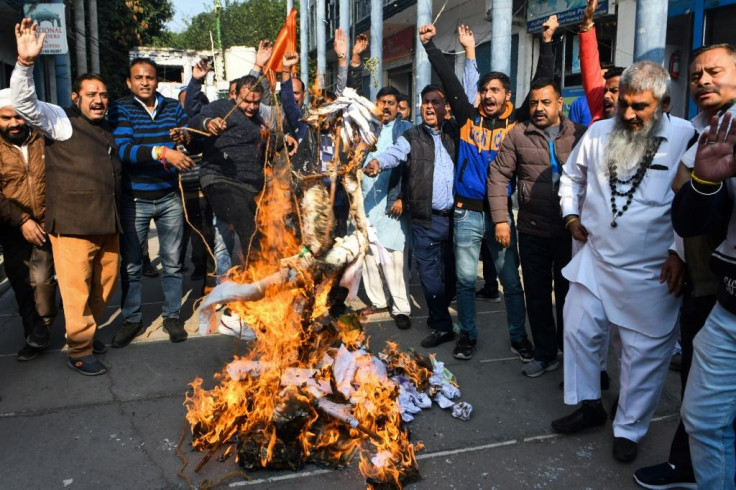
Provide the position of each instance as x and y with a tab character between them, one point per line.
570	219
23	63
586	27
340	56
701	181
163	157
720	185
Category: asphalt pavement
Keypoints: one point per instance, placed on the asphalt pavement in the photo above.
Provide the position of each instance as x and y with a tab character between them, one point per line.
120	430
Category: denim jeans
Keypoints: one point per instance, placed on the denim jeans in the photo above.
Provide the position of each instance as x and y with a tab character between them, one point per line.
136	215
709	407
224	244
470	227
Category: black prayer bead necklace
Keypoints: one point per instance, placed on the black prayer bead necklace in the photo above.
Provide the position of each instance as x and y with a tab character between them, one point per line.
633	181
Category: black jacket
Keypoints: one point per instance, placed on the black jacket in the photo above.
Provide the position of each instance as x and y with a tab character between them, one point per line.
420	169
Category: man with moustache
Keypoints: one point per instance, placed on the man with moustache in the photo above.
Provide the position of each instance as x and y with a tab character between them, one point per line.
482	131
144	125
616	195
601	86
428	152
83	179
533	153
384	211
28	260
713	87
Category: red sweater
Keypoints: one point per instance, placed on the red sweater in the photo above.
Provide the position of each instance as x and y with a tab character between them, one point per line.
590	68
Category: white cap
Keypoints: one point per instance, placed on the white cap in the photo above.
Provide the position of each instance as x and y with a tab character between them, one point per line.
5	99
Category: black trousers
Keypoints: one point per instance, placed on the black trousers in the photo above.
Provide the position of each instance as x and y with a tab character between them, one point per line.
235	205
30	270
694	312
432	249
200	216
542	260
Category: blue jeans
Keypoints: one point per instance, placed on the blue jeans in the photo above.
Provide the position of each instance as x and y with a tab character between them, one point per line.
709	406
136	215
470	227
224	244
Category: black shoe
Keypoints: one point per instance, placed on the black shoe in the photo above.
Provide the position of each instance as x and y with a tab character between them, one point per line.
176	331
149	270
98	347
436	338
492	296
665	475
605	380
591	414
127	333
39	337
28	353
464	348
87	365
403	322
624	449
523	349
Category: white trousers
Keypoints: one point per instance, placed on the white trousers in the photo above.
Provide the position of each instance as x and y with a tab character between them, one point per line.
643	360
396	273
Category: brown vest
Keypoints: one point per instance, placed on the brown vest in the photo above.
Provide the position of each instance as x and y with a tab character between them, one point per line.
83	180
24	183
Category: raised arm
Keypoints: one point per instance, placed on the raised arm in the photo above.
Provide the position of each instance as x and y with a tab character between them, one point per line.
462	109
292	112
470	73
340	46
545	63
49	118
192	99
265	49
590	63
355	70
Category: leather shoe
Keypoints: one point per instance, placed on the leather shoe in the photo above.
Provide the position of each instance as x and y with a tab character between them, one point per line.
436	338
403	322
624	449
127	333
585	417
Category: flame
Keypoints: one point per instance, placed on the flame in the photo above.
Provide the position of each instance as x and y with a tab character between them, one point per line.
266	404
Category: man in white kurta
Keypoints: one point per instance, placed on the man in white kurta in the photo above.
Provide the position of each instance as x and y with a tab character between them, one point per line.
624	275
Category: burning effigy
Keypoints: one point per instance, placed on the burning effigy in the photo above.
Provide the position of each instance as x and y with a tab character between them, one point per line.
309	390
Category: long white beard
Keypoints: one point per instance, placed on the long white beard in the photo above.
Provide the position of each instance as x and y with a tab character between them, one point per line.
625	148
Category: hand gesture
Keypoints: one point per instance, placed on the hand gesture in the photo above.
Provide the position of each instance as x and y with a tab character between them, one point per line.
589	11
265	49
397	208
714	159
503	234
200	70
216	126
291	144
33	233
426	33
179	136
28	41
179	160
361	44
340	45
289	60
465	36
549	27
372	169
673	271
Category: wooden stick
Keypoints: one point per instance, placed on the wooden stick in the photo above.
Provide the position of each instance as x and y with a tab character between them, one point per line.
440	13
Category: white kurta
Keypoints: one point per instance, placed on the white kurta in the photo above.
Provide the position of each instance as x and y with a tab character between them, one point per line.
621	266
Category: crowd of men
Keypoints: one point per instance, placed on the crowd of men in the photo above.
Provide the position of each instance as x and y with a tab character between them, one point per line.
596	207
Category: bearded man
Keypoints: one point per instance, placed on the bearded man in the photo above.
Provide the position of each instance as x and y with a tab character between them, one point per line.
615	196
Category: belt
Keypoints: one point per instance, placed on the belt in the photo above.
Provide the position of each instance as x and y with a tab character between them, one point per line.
442	213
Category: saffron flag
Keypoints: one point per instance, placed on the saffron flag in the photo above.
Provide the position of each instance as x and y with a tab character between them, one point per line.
285	42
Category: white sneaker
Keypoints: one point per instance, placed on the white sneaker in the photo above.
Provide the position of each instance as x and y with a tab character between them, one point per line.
231	324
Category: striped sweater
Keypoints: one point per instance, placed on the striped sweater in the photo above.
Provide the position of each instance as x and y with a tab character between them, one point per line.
137	133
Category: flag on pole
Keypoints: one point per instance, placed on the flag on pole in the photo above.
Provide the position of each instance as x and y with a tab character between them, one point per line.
285	42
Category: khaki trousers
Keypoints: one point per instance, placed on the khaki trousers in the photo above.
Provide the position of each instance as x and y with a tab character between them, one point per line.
87	272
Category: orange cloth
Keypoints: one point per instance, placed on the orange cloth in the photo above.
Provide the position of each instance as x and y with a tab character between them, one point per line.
285	42
87	272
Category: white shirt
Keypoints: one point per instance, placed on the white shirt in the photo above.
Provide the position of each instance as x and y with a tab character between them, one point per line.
49	118
701	124
621	265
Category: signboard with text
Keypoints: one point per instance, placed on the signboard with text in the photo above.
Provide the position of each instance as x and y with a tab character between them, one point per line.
567	11
51	19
